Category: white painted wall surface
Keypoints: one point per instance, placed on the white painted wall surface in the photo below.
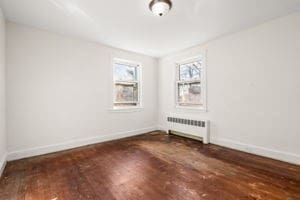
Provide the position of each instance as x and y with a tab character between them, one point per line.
2	93
59	93
253	80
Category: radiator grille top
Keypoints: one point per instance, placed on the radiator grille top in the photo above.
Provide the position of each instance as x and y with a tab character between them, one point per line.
189	122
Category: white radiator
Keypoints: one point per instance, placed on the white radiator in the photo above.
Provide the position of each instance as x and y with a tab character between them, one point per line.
192	127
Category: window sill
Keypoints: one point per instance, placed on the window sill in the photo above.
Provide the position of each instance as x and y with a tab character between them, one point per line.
199	109
126	109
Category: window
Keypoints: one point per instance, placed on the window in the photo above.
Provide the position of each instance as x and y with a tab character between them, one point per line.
190	84
126	84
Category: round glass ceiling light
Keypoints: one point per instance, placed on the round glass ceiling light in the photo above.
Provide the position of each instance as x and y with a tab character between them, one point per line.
160	7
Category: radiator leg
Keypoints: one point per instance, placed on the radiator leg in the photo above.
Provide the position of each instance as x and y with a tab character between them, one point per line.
205	140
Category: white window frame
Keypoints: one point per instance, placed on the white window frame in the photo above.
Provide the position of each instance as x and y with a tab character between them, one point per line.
138	81
202	80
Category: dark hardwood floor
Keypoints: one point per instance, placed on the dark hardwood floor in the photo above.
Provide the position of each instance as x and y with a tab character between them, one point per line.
151	166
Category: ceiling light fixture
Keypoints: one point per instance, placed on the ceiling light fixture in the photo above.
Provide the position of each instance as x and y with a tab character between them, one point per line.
160	7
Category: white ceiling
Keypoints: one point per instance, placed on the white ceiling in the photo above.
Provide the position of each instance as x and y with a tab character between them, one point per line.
128	24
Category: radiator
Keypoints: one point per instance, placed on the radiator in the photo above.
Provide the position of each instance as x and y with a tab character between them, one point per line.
197	129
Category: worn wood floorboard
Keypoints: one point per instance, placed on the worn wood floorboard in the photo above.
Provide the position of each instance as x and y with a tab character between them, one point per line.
151	166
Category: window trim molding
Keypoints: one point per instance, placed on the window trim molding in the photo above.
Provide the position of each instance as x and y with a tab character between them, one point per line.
203	81
139	66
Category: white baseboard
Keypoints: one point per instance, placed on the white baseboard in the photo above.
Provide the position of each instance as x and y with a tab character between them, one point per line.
278	155
15	155
2	163
270	153
162	128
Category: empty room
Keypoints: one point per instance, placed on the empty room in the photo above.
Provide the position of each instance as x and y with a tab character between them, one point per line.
150	99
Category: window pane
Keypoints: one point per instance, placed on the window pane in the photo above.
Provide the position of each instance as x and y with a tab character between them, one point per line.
124	72
190	71
189	93
126	92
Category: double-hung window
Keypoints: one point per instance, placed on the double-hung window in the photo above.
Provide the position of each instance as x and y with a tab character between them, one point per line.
126	84
190	84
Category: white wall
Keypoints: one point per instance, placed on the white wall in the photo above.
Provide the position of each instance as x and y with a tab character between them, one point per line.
253	89
59	93
2	93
